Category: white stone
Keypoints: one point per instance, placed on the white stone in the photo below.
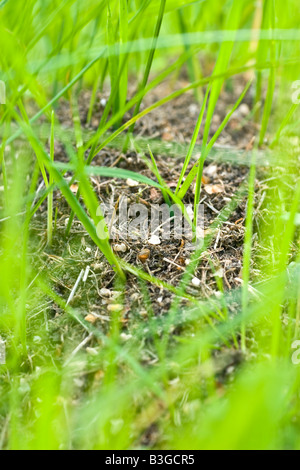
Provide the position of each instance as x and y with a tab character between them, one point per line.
196	282
132	183
244	109
105	292
120	247
211	170
154	240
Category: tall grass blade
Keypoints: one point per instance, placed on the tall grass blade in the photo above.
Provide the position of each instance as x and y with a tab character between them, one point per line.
150	58
50	195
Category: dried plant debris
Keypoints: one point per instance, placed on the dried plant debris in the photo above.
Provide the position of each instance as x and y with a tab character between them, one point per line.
95	296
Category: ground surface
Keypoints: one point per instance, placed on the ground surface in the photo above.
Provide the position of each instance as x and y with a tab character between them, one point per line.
173	122
220	263
169	130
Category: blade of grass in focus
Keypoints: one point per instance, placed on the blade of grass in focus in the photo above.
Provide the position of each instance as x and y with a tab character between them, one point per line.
232	22
123	40
193	172
268	22
89	197
50	195
113	59
193	141
248	246
150	58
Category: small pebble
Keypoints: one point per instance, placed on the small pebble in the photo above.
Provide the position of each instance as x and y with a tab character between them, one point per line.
125	337
196	282
115	308
134	297
144	255
193	109
91	318
230	370
92	351
244	109
74	188
105	292
154	240
131	183
214	188
78	382
120	248
211	170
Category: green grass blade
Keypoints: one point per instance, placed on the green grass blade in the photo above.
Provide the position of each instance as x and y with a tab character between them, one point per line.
270	21
159	177
103	244
123	40
150	58
192	174
248	247
113	59
50	195
193	141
